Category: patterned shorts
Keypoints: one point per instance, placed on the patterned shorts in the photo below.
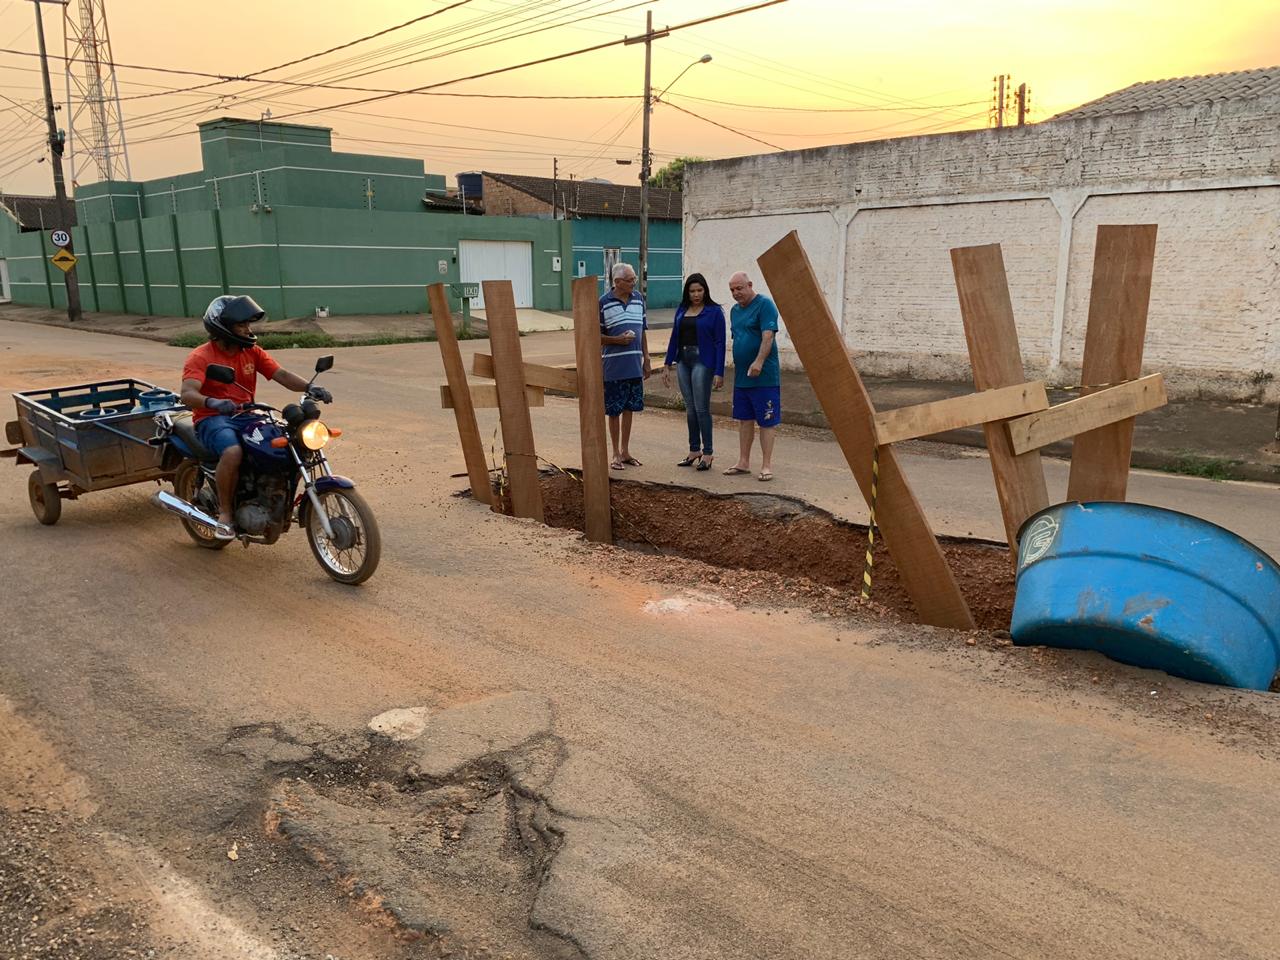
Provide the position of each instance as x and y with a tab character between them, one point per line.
761	404
622	395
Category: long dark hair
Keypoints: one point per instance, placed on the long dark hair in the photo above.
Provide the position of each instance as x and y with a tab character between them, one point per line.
706	291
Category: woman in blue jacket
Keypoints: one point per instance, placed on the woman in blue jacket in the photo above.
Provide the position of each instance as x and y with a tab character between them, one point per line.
697	352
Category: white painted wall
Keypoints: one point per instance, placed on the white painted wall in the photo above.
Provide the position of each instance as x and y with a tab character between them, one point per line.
879	219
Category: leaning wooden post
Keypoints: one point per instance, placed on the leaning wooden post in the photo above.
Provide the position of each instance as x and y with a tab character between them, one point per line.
595	451
1118	302
915	551
996	360
513	405
464	411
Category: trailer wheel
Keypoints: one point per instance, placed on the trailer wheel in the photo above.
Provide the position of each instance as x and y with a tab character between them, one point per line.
46	503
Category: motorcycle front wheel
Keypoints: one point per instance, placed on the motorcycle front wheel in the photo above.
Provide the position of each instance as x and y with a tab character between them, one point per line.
184	488
352	554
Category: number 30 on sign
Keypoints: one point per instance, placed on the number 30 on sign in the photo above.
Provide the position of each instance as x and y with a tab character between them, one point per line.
60	238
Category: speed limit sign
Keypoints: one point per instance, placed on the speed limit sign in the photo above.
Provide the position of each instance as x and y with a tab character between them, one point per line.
60	238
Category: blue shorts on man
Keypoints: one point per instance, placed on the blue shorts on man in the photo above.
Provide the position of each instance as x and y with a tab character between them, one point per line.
217	433
761	404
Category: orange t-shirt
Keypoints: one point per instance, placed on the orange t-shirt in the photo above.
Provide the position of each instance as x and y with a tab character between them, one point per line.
247	364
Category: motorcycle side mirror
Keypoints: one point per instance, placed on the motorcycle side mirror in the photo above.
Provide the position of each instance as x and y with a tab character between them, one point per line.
220	373
324	363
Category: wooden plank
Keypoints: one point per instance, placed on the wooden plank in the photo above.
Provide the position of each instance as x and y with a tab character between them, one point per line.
925	419
513	406
996	361
1123	259
1087	414
595	450
921	565
484	396
464	414
535	374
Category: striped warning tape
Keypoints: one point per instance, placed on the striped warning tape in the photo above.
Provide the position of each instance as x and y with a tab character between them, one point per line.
871	525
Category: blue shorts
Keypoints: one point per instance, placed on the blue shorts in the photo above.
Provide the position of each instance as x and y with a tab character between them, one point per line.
622	395
761	404
216	433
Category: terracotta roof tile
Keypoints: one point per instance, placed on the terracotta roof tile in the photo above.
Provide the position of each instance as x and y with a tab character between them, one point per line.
588	199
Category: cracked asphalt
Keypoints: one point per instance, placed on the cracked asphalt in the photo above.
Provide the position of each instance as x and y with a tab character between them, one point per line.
593	772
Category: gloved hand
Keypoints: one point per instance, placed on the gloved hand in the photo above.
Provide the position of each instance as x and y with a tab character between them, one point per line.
317	392
226	408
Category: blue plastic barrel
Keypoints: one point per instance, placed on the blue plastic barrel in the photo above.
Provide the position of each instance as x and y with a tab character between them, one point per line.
1149	587
157	399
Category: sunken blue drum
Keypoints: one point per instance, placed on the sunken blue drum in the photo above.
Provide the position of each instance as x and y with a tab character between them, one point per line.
1149	587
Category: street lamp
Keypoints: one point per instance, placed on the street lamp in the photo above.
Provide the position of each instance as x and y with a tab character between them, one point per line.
646	157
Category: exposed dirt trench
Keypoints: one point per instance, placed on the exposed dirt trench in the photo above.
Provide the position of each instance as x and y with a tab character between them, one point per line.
779	535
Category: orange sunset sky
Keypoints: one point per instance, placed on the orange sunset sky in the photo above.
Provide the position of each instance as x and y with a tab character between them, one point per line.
802	73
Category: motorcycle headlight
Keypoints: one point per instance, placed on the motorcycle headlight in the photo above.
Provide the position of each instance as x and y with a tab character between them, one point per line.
314	434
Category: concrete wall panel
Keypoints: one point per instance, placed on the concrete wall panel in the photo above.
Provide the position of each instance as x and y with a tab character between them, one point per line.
900	309
719	248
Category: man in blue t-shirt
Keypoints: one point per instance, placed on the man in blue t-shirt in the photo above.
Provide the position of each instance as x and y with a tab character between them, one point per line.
625	351
757	396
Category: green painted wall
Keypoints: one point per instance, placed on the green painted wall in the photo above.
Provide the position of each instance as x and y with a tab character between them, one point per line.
592	234
275	213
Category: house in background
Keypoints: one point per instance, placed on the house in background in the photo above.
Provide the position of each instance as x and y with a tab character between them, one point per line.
277	213
606	223
1197	156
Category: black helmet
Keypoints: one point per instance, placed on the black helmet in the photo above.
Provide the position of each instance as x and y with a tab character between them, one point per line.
227	311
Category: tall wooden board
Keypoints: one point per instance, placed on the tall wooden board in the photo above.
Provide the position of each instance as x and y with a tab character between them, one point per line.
513	406
996	360
1118	301
463	410
916	553
590	385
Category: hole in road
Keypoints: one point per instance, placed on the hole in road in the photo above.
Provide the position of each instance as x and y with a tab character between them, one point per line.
780	535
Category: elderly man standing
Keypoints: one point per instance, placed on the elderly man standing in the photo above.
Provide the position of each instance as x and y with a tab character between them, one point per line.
757	379
625	350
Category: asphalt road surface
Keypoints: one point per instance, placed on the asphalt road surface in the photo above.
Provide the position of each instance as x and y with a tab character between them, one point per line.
581	763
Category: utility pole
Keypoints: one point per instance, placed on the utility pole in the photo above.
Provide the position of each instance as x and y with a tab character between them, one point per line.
999	107
646	158
555	184
66	212
1022	104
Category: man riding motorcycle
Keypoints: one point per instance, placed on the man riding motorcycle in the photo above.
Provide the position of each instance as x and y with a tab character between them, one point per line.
214	405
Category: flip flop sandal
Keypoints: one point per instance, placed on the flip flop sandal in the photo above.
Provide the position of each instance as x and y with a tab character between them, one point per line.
735	471
632	462
687	462
765	476
617	465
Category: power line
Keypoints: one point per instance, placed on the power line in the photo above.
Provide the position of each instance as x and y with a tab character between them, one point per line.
538	62
884	109
723	127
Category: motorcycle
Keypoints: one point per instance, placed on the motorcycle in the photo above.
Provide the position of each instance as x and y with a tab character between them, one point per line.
282	448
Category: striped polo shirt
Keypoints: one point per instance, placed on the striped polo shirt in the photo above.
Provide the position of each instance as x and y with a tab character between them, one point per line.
623	362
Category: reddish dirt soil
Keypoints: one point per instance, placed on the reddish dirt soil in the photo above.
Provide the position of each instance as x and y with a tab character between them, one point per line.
807	547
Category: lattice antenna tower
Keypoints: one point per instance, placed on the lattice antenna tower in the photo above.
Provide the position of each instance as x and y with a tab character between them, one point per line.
95	125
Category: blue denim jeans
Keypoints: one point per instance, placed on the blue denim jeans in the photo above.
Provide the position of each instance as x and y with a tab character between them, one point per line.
695	386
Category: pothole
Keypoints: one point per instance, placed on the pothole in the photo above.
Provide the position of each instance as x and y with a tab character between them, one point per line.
442	839
779	535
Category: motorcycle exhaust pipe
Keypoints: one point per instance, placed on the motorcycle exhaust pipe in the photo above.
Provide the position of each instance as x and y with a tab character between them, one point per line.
167	501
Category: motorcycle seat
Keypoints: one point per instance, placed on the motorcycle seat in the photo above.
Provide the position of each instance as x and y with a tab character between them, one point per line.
185	430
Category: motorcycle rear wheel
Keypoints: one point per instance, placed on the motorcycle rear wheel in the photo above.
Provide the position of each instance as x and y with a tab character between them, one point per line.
353	555
184	487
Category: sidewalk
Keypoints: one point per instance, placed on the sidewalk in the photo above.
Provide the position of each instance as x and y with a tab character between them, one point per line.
1207	438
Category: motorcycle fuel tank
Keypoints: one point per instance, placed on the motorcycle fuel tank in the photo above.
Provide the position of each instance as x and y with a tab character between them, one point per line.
257	439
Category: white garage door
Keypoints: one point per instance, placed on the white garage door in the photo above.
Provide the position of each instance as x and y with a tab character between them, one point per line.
498	260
